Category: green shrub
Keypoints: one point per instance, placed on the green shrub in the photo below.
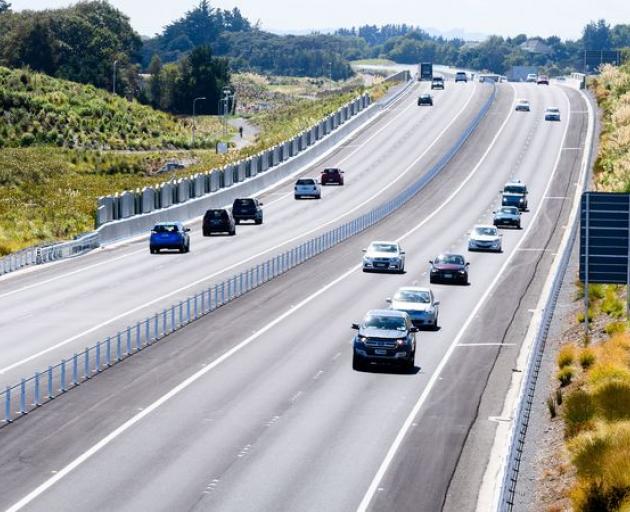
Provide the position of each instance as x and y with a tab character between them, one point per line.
586	358
578	410
591	315
612	305
27	139
565	375
612	399
566	356
615	327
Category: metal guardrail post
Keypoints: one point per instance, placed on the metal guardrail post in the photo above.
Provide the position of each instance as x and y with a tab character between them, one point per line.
23	410
86	364
97	367
138	338
75	369
62	378
128	340
51	393
7	405
37	398
108	352
118	347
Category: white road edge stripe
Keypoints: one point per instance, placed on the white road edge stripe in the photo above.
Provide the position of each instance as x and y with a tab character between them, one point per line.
246	260
196	376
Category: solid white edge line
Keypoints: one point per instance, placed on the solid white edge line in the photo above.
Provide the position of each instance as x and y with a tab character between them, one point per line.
196	376
192	284
492	481
365	502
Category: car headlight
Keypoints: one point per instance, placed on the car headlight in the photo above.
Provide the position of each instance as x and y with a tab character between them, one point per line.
521	200
462	271
361	339
401	341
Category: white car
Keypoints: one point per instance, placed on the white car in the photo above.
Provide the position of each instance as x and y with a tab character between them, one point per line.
485	238
307	187
386	256
522	105
419	303
552	114
532	77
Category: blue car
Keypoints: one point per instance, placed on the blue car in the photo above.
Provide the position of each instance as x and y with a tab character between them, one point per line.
169	235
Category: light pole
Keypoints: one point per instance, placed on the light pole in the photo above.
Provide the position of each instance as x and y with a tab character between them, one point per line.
193	119
330	75
114	78
226	102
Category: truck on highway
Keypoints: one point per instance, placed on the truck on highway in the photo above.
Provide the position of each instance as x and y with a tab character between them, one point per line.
425	72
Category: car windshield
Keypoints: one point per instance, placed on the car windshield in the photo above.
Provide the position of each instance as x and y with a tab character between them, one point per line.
514	189
425	96
419	296
166	228
451	259
523	102
511	210
486	231
393	248
389	323
308	181
244	202
553	110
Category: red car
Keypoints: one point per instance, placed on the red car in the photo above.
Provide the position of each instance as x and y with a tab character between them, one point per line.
332	176
449	268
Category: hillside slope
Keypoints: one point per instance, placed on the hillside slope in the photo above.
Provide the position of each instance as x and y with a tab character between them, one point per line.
40	110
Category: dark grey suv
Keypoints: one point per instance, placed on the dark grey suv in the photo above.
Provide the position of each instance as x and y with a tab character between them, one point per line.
247	209
384	336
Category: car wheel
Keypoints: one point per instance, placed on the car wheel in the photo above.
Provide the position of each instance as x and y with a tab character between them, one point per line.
518	226
258	221
435	324
152	250
233	232
357	364
410	363
188	247
318	196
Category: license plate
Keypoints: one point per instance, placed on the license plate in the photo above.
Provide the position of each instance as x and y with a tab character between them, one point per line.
448	276
380	352
379	265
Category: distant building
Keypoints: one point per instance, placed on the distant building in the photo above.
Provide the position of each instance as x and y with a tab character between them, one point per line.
536	46
519	73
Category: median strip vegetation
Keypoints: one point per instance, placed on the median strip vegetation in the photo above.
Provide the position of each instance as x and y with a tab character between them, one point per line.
593	373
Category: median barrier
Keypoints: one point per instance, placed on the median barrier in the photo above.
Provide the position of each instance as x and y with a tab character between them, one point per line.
33	392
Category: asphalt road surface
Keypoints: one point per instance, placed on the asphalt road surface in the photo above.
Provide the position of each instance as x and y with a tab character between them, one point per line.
256	406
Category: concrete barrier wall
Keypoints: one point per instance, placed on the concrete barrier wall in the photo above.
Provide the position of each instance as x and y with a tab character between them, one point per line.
189	198
194	208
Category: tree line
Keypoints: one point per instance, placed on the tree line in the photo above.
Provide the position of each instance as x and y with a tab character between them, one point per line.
93	42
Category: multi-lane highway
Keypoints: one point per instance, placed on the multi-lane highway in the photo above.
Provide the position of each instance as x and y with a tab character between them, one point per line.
256	406
52	312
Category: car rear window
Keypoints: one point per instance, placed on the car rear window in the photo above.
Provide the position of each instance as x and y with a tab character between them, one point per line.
216	214
306	181
244	203
515	189
166	228
331	171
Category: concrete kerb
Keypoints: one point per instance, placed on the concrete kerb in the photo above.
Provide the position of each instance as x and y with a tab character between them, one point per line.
137	227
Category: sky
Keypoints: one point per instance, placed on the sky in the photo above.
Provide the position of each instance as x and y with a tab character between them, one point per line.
503	17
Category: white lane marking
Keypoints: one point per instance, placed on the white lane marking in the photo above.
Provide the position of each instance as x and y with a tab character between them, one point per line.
486	345
367	498
200	373
239	263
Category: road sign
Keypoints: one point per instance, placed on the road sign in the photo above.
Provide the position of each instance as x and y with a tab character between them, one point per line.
604	240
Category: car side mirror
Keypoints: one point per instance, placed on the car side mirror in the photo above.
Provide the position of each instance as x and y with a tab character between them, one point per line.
414	330
402	253
261	203
431	262
436	303
355	327
388	300
468	264
494	212
187	230
364	250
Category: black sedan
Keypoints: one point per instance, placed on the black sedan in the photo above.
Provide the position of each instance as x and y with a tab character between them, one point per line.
449	268
425	99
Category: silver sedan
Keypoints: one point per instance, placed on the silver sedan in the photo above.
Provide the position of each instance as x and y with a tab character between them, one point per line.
419	303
